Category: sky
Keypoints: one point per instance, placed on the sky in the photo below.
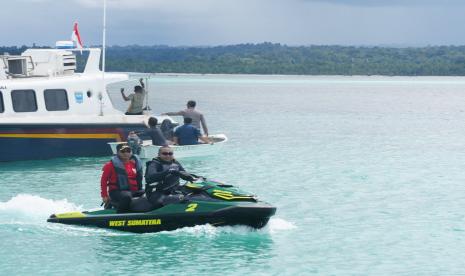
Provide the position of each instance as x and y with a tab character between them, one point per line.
226	22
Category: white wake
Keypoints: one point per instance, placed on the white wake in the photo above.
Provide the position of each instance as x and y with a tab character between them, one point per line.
31	207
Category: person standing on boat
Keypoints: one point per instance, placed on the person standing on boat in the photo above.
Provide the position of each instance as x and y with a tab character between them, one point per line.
121	179
155	133
187	134
137	99
162	178
196	116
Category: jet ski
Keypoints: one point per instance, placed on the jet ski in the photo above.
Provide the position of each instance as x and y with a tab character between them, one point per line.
205	202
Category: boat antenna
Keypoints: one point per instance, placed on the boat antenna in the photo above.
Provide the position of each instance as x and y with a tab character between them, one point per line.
103	53
147	107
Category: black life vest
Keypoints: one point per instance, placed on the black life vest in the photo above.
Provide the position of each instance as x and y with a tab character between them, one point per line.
170	181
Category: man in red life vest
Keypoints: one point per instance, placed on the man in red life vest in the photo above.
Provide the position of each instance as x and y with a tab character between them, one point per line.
121	179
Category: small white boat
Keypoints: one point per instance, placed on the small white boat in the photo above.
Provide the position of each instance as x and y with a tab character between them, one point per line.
149	151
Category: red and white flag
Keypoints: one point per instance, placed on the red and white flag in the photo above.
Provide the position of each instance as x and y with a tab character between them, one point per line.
75	37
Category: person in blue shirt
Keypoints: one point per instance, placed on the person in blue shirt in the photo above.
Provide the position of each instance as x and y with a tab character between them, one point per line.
188	134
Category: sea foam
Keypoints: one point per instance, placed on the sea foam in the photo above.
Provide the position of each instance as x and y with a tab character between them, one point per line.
34	207
278	224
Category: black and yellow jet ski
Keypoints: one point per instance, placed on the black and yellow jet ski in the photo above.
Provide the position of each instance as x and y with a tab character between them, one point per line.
206	202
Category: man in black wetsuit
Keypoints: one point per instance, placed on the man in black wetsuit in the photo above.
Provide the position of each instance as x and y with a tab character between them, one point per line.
162	178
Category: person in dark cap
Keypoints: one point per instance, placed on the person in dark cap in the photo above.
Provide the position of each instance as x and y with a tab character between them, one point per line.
121	179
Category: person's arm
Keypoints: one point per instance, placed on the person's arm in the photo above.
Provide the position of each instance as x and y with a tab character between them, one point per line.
160	138
124	96
139	179
137	166
104	182
183	174
181	168
175	137
179	113
201	137
204	125
186	176
152	174
141	81
144	133
205	140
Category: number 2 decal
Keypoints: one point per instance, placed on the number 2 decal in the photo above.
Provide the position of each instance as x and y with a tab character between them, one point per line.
191	207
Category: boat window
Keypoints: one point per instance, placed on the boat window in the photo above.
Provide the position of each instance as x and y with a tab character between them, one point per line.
56	99
2	108
24	100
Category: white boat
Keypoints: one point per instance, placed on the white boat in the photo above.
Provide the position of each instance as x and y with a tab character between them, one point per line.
149	151
49	110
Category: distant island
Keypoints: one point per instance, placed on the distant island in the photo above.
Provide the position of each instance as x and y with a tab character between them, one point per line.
272	58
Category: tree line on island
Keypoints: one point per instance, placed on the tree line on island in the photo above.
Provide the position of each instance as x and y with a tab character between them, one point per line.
272	58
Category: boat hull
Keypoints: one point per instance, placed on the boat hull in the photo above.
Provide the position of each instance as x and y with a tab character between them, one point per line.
52	141
149	151
174	216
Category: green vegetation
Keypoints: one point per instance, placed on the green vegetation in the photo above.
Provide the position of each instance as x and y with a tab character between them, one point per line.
269	58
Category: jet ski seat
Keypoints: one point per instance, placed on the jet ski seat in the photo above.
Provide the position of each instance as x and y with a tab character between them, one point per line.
139	203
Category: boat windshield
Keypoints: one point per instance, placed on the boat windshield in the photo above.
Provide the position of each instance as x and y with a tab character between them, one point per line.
114	90
81	60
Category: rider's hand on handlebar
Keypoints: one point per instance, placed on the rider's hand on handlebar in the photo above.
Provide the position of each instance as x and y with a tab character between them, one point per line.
173	171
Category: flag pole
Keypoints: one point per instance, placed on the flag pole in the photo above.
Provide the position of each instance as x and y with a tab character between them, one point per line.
103	52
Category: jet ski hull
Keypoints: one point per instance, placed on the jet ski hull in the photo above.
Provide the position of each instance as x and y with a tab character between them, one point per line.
174	216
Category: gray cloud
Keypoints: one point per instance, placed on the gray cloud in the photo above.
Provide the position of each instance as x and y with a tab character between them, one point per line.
386	3
214	22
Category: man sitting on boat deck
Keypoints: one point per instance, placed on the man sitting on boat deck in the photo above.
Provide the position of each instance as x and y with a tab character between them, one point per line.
190	112
154	133
137	99
167	129
121	179
187	134
162	178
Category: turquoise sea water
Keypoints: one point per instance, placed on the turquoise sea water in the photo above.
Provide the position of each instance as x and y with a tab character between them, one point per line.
367	174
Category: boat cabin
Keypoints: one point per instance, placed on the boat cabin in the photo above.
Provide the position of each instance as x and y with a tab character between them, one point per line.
45	82
49	110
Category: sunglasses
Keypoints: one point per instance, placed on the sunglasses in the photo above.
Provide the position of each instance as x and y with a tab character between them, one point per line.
125	150
167	153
